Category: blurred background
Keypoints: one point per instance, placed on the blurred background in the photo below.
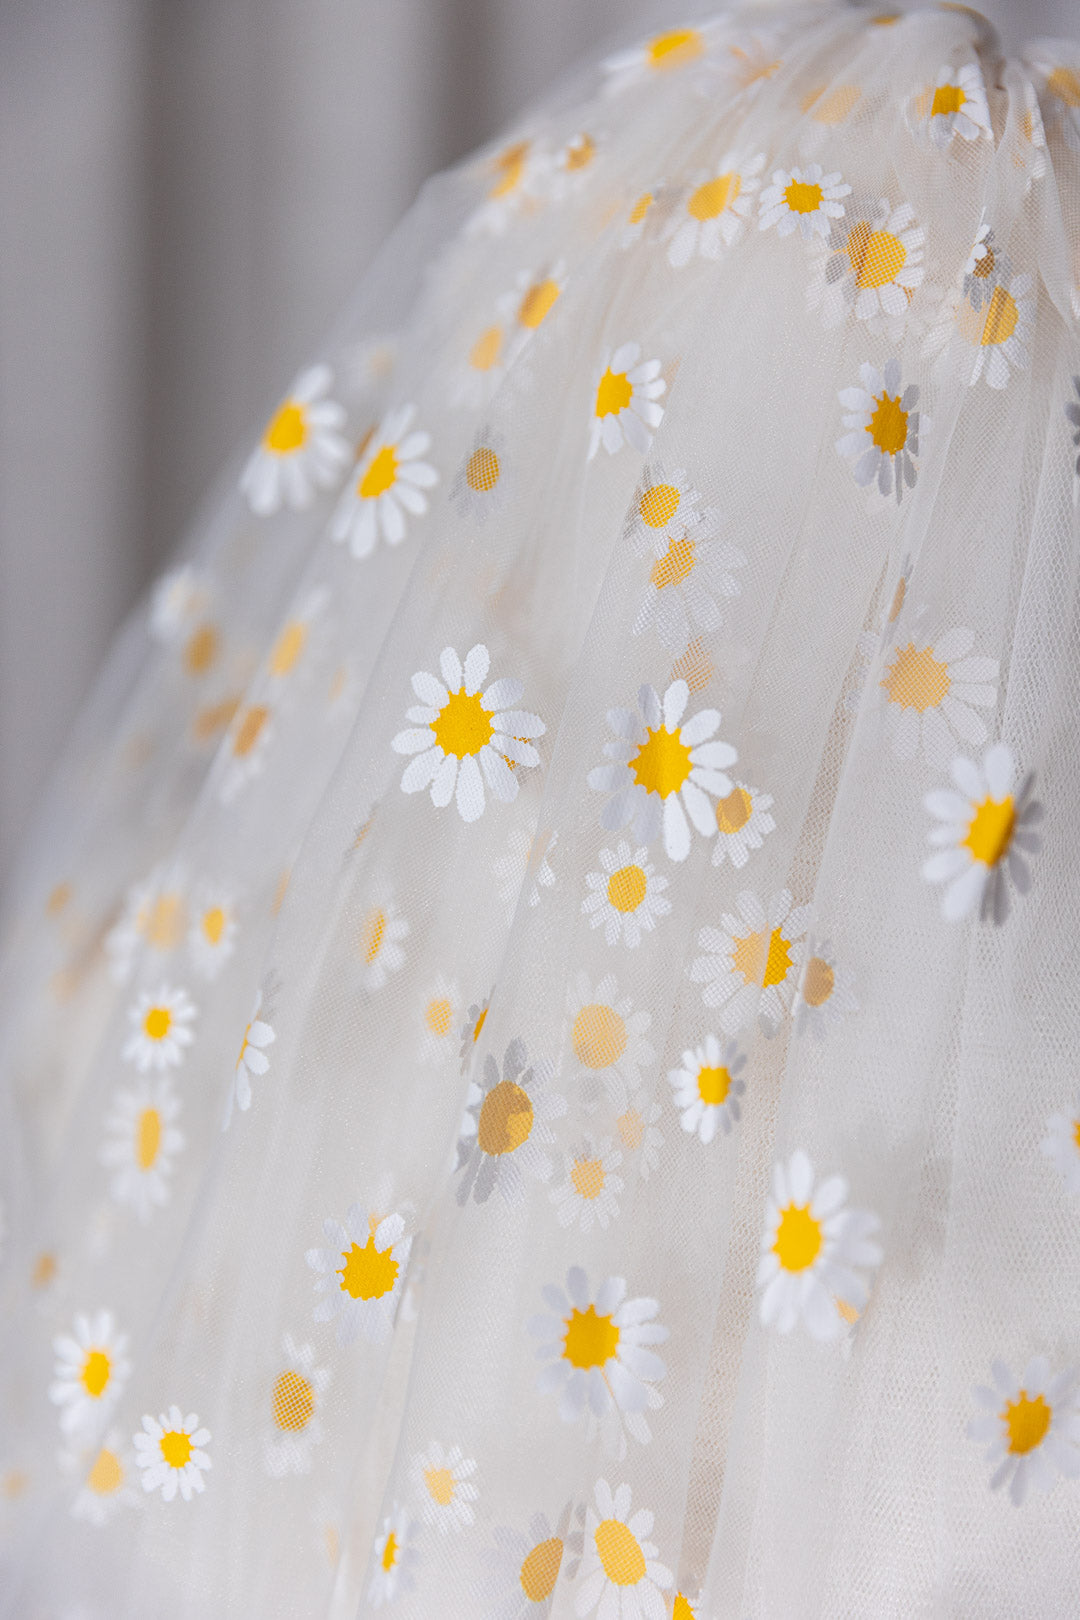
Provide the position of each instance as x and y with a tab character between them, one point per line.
188	191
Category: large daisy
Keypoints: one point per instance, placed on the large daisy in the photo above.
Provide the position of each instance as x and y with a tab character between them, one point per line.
932	694
875	270
171	1455
295	1402
626	896
1061	1144
955	105
506	1130
690	566
743	823
302	449
360	1270
596	1347
108	1485
707	1087
621	1576
750	966
443	1482
806	200
387	487
711	214
251	1060
589	1191
525	1565
607	1036
141	1142
394	1557
160	1029
825	995
813	1252
91	1370
379	942
987	826
625	409
462	737
663	769
883	429
662	54
1031	1425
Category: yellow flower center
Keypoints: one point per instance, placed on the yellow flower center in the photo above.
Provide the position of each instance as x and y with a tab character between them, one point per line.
587	1176
437	1016
876	256
537	302
380	475
509	168
799	1238
147	1138
762	963
506	1119
95	1373
662	762
287	430
293	1401
176	1448
711	198
372	937
803	197
288	647
819	982
368	1272
599	1036
888	425
486	350
462	726
614	393
540	1570
201	649
916	679
681	1609
589	1340
622	1558
157	1023
251	724
626	888
440	1484
107	1474
641	208
948	98
631	1128
1027	1421
482	470
677	46
675	565
713	1085
659	504
390	1552
1001	318
162	926
991	830
1065	84
733	813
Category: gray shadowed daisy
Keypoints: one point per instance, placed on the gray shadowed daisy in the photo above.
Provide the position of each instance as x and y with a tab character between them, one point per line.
379	943
524	1565
626	896
750	966
884	426
707	1087
506	1131
361	1268
635	1115
480	486
986	827
743	822
472	1029
874	271
955	105
1031	1425
296	1397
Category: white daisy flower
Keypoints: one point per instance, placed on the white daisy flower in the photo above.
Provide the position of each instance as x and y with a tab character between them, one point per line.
743	823
525	1565
751	964
626	895
154	918
522	852
251	1060
160	1029
528	304
875	270
636	1115
302	449
513	175
379	943
883	424
251	732
663	770
712	213
178	598
1001	336
1032	1426
443	1481
91	1370
625	409
825	996
141	1142
506	1128
663	53
108	1485
932	693
1062	1144
387	487
462	737
607	1036
642	214
987	826
170	1454
295	1403
807	200
566	169
812	1252
691	566
590	1191
707	1087
289	645
479	487
621	1577
955	105
360	1270
596	1347
394	1557
439	1020
472	1029
213	930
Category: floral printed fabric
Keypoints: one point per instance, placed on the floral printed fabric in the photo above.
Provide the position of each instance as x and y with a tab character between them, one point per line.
538	1034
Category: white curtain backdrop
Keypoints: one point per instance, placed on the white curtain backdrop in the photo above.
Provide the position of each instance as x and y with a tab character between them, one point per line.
188	190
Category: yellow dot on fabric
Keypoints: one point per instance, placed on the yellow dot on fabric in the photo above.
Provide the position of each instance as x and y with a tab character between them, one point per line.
590	1340
614	393
381	473
877	257
373	933
622	1559
1026	1421
482	470
713	196
888	424
486	350
293	1401
248	731
506	1119
675	47
537	302
437	1016
95	1373
390	1552
107	1474
212	924
462	726
799	1238
287	429
587	1176
659	504
288	647
176	1448
675	565
733	812
1001	318
641	208
948	98
916	679
510	168
368	1272
540	1569
991	830
440	1484
803	197
201	650
162	924
662	763
1065	84
157	1023
147	1138
819	981
713	1083
599	1035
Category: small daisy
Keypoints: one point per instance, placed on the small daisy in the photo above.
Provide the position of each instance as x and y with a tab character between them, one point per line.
295	1402
956	105
626	895
379	943
663	53
707	1087
742	824
1001	336
636	1115
176	601
525	1565
360	1271
621	1577
302	449
251	732
251	1060
512	175
141	1142
389	483
987	828
442	1479
170	1454
598	1358
472	1029
108	1486
479	486
529	303
810	1250
875	270
883	424
807	200
625	409
394	1557
567	168
482	366
712	214
462	737
522	853
643	212
154	918
663	770
607	1036
590	1191
1062	1144
932	694
212	935
751	964
1032	1426
690	574
506	1129
91	1370
160	1029
290	643
825	995
439	1020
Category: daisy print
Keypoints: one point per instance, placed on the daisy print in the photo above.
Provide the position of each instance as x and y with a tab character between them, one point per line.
825	995
440	1012
596	1347
691	566
984	268
212	935
250	735
302	449
1002	334
171	1454
379	943
108	1486
479	487
636	1118
141	1143
359	1271
295	1403
154	918
482	366
743	822
291	642
388	486
955	105
1061	86
750	964
663	770
643	212
462	737
525	1565
160	1029
394	1557
91	1370
506	1131
588	1195
883	429
607	1036
529	303
986	828
443	1484
707	1087
472	1029
932	695
252	1061
511	188
813	1252
625	409
621	1575
873	274
662	54
626	896
1061	1145
1031	1426
712	214
805	200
